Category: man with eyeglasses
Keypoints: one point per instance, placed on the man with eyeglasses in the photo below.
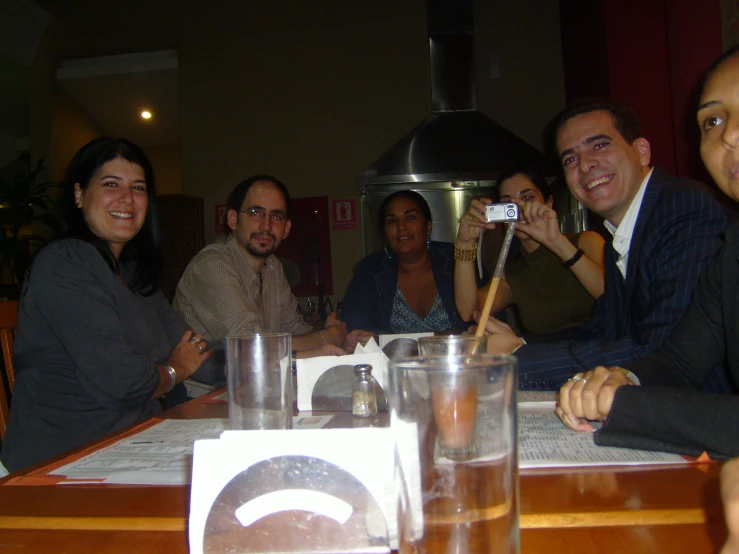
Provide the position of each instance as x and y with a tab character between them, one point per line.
239	287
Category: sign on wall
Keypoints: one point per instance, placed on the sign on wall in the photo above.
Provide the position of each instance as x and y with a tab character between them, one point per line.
344	214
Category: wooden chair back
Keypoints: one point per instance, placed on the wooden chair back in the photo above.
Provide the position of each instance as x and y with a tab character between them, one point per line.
8	323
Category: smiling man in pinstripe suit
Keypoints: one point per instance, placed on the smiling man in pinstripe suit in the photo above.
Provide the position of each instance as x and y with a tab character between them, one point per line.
665	231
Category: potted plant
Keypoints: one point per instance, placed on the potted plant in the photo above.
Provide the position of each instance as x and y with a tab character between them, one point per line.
23	201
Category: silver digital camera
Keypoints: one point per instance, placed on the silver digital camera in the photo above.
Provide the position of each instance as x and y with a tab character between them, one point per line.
501	213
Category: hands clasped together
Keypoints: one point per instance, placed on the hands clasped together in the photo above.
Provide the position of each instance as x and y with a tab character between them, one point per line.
589	396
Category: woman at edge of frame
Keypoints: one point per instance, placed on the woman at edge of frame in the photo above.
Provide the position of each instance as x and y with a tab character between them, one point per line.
97	344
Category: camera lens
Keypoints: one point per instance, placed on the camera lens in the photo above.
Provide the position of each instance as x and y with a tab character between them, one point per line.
511	213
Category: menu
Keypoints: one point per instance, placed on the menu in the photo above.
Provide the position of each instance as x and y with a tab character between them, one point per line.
544	441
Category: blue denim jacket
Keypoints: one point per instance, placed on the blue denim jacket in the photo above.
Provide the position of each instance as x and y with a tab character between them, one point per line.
369	298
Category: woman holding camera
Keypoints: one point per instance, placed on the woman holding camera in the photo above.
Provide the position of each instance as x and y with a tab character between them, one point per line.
554	287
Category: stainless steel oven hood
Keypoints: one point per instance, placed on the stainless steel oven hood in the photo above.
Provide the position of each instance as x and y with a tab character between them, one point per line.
456	142
453	146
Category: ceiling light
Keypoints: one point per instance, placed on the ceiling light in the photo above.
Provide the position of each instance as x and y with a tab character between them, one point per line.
146	114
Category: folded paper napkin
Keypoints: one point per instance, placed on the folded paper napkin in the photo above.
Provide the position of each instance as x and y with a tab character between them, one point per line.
311	370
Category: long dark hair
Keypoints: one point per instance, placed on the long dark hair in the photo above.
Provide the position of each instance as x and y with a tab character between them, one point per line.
144	251
730	53
539	183
531	174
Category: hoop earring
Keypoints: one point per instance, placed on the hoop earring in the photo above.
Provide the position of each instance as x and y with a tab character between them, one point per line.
428	241
388	253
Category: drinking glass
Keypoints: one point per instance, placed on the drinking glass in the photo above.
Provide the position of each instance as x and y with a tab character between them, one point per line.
259	376
452	345
458	478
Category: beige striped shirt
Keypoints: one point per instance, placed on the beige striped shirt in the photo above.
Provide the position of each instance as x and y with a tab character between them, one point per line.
220	296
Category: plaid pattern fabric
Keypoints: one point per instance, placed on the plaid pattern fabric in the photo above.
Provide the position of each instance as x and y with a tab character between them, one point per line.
219	295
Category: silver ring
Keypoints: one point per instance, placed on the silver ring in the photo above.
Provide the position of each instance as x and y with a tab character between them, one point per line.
194	340
201	346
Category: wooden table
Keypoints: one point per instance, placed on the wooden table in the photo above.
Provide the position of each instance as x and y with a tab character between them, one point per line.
604	510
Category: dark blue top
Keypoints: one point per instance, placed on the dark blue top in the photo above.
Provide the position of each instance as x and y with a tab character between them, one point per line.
369	298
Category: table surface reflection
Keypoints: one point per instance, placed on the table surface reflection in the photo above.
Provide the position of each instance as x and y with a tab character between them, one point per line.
604	510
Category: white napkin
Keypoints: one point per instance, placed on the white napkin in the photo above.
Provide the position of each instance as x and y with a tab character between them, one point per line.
311	369
370	348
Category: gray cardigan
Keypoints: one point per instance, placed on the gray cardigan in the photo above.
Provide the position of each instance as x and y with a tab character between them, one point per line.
84	354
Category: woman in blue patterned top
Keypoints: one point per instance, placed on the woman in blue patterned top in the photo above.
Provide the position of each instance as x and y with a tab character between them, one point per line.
409	286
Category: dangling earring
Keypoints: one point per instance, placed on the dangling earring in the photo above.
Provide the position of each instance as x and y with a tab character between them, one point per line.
428	241
388	253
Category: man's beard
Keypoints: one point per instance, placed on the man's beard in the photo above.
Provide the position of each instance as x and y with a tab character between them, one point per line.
254	251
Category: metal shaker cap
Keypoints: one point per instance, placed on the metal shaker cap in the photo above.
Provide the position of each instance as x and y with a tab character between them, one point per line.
363	369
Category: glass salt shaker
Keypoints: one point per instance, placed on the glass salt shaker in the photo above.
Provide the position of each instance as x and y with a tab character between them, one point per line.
364	399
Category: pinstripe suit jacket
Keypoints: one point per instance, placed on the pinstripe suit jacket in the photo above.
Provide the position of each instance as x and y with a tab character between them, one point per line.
677	233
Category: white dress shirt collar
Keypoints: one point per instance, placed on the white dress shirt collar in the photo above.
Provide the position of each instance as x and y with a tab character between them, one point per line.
623	233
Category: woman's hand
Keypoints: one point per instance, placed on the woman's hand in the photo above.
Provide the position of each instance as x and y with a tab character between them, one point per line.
590	396
473	222
188	355
356	337
540	222
334	330
501	338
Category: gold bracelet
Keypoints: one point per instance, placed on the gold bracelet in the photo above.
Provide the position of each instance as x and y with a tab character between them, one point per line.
324	338
465	254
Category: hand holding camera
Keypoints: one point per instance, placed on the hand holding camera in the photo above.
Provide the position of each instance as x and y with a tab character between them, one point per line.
540	222
472	223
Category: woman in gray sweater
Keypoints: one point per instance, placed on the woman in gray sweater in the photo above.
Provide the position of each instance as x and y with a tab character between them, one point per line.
97	344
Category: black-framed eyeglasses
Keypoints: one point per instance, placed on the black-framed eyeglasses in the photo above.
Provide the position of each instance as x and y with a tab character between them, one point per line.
259	214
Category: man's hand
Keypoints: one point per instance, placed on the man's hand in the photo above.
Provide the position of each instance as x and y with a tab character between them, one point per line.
501	338
356	337
590	396
334	329
325	350
730	495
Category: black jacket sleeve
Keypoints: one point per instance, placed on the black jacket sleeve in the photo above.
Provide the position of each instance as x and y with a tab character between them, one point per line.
673	420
